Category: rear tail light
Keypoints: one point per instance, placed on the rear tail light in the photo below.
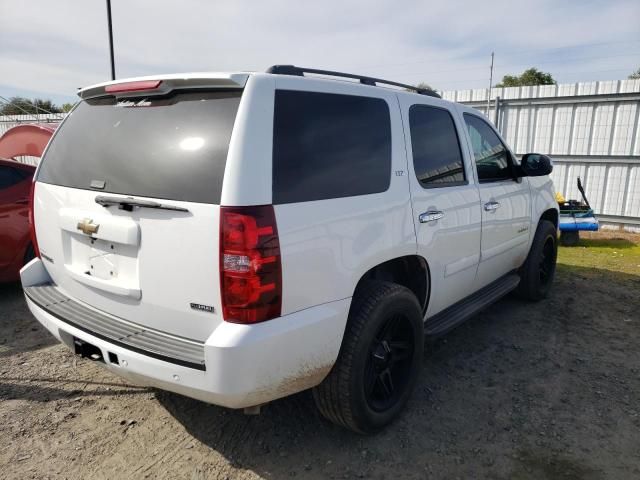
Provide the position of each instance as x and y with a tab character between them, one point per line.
32	221
250	268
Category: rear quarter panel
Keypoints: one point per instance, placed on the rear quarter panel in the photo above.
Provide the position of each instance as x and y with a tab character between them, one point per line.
327	245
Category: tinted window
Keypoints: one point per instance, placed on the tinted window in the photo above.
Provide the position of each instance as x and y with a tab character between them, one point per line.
329	146
492	157
437	158
171	147
10	176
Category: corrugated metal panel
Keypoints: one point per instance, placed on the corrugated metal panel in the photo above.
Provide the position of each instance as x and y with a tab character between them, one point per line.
633	192
591	129
9	121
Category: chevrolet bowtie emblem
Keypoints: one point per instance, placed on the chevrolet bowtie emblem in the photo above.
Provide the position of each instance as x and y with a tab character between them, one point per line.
86	227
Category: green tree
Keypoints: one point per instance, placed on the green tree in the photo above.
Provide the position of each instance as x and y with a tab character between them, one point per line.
66	107
23	106
532	76
422	86
45	106
635	75
16	106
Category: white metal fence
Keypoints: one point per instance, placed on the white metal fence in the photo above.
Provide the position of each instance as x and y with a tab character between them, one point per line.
591	130
8	121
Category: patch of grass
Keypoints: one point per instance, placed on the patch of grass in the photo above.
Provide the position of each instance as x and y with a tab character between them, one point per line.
604	250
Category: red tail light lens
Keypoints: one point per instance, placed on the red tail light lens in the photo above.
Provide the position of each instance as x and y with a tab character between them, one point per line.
32	223
250	268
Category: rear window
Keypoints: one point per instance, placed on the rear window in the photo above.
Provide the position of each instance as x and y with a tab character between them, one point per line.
329	146
171	147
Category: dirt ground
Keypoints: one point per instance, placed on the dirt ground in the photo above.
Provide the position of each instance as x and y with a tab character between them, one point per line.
547	390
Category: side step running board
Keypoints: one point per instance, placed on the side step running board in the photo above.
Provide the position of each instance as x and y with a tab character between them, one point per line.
456	314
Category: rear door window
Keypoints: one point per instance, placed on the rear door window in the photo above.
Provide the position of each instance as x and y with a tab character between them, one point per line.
329	146
171	147
437	158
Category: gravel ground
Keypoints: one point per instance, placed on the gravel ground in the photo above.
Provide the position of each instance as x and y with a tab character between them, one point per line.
547	390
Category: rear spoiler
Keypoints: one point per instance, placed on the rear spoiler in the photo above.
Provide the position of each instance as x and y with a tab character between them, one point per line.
163	84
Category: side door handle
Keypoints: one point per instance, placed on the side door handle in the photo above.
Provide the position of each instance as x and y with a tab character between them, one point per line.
431	216
491	206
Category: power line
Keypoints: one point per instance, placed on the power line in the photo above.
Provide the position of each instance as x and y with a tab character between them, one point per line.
514	65
484	79
506	52
567	47
560	60
26	112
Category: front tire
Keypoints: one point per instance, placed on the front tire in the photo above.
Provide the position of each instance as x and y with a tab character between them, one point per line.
538	271
379	360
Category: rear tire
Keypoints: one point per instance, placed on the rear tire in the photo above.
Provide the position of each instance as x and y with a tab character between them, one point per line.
379	360
538	271
569	239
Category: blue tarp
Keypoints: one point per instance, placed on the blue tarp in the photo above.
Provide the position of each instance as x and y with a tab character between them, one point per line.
576	221
577	226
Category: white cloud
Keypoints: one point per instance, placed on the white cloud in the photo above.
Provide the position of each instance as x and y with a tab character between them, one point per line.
54	47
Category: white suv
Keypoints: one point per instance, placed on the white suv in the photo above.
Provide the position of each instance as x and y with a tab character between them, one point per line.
240	237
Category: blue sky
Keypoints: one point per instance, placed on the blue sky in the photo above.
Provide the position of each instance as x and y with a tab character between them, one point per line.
50	48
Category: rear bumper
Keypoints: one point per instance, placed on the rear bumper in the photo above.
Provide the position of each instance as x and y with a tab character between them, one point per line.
245	365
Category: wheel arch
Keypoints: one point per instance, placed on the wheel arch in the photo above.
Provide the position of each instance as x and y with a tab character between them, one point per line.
410	271
551	215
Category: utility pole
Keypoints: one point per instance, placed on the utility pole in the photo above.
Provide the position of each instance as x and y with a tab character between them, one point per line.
490	83
113	66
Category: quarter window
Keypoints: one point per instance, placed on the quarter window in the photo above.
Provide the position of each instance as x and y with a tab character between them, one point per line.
329	146
492	157
437	158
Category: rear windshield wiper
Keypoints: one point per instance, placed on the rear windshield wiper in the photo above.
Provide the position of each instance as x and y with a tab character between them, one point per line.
129	203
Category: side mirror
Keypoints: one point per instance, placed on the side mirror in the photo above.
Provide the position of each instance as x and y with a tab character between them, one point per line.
536	165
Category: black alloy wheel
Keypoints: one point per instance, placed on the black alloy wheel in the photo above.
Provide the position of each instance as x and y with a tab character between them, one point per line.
386	373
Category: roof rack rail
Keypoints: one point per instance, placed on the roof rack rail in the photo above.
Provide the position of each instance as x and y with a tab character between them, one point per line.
300	71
